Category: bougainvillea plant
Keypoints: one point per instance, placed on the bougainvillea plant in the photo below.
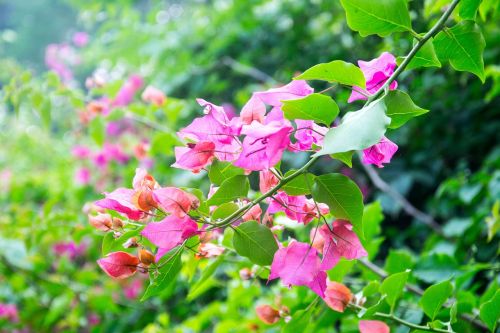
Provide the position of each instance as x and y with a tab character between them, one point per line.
158	222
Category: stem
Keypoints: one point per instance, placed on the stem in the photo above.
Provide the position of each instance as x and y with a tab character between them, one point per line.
434	30
146	122
402	321
230	219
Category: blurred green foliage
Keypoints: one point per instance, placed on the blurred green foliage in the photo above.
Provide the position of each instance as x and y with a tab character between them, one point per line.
222	51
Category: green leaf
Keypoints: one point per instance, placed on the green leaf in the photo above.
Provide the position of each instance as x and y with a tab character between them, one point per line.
468	9
462	45
97	130
400	108
220	171
229	190
489	312
111	244
335	71
300	320
224	211
393	287
320	108
358	130
343	197
434	297
425	57
194	291
256	242
398	261
170	267
345	157
380	17
300	185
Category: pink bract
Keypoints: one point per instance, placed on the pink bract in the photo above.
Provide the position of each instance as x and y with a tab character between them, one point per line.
120	200
373	326
376	72
175	201
194	157
380	153
119	265
341	241
298	264
169	233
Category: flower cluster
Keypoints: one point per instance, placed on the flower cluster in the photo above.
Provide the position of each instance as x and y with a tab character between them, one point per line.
254	141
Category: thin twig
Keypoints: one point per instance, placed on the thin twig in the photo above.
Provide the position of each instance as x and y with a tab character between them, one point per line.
248	70
399	198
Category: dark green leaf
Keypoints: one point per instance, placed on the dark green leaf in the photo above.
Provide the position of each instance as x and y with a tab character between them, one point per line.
393	287
434	297
320	108
220	171
400	108
300	320
256	242
462	45
435	267
343	197
335	71
398	261
358	130
229	190
380	17
300	185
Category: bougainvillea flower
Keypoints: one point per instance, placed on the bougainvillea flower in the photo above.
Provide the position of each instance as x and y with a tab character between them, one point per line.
253	110
169	232
175	201
293	90
9	312
380	153
80	38
82	176
267	180
195	156
298	264
308	133
376	72
267	314
263	145
142	179
132	290
253	214
373	326
121	201
153	95
70	249
297	208
119	265
215	127
341	241
317	240
337	296
80	152
209	250
125	95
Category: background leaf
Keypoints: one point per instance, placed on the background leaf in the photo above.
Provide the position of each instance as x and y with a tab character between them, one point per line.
434	297
229	190
320	108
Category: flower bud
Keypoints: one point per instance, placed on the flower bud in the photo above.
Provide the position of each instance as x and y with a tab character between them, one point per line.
146	257
117	223
143	199
131	242
101	221
246	273
267	314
